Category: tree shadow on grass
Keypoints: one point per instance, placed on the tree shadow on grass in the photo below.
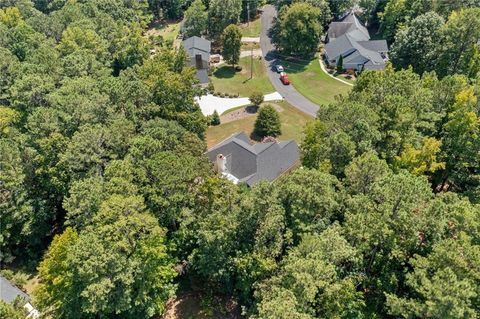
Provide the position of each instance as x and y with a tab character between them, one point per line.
290	64
224	72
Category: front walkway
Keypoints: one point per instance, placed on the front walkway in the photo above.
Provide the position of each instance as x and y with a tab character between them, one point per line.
209	103
322	66
251	39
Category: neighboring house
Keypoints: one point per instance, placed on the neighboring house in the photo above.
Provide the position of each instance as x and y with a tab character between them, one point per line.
350	39
10	293
242	162
198	51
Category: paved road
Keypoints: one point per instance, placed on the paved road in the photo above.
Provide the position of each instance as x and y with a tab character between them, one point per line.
287	91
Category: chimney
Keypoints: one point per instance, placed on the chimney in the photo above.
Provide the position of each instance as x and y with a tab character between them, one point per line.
221	163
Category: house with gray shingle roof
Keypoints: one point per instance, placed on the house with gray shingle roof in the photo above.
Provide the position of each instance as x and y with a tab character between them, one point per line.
9	294
198	51
242	162
350	39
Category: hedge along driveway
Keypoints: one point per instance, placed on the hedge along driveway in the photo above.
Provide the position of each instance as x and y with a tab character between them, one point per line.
226	80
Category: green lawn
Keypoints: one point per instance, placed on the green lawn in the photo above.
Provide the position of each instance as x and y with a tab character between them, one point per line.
309	79
253	29
293	122
168	31
226	80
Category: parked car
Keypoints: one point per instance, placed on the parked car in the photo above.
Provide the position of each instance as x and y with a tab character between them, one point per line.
284	78
279	68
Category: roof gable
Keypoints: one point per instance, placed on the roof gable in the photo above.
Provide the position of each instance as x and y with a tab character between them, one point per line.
8	292
197	43
253	163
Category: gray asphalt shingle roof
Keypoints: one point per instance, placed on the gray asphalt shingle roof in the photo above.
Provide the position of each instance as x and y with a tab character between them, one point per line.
253	163
9	292
353	42
196	45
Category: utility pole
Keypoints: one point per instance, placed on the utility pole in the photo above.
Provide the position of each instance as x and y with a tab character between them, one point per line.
251	53
251	63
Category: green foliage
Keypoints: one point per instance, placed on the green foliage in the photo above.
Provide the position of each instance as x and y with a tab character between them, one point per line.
459	48
340	64
418	43
445	282
8	311
119	265
215	120
310	279
256	98
102	149
324	6
196	19
297	29
267	122
231	44
222	13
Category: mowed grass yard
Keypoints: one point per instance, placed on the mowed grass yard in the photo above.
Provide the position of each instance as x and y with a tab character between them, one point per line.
226	80
309	79
293	121
168	31
252	29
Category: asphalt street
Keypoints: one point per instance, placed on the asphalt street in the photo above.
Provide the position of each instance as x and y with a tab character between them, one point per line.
289	93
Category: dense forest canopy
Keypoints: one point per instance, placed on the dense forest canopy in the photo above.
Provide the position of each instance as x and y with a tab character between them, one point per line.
106	191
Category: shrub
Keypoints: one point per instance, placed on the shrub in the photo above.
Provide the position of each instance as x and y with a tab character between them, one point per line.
238	68
215	118
340	64
256	98
267	122
210	87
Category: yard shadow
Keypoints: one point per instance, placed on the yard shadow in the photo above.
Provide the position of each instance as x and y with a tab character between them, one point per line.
203	306
290	64
225	72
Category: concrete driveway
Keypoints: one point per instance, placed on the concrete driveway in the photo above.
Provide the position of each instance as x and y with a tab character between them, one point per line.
288	92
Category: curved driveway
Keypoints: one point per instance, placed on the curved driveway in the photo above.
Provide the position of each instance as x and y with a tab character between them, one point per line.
288	92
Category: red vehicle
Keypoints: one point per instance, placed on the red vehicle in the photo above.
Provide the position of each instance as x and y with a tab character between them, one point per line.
284	78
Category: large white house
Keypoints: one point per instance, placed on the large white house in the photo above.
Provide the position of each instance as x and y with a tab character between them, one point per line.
350	39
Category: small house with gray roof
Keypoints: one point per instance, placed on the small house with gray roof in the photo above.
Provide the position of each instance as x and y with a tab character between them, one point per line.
242	162
350	39
198	51
11	294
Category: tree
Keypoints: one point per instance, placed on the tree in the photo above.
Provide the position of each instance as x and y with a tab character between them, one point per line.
196	19
15	311
459	51
118	266
340	64
323	5
297	29
444	284
222	13
309	279
423	160
398	12
231	44
310	200
418	43
267	122
256	98
363	172
461	144
215	120
169	9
